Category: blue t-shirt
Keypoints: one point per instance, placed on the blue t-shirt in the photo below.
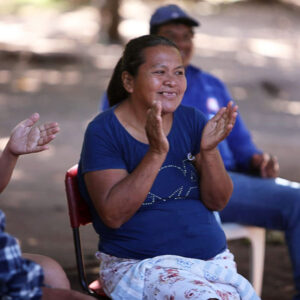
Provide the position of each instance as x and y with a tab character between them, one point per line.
172	219
208	94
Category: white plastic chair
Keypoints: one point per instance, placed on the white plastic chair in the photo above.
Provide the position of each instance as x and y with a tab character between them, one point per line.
257	237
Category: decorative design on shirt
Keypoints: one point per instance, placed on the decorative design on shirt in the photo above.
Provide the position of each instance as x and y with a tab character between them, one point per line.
186	174
190	156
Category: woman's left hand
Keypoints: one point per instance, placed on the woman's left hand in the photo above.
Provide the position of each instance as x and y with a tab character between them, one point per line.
218	127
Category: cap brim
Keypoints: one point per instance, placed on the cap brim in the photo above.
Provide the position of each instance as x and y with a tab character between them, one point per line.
183	20
188	21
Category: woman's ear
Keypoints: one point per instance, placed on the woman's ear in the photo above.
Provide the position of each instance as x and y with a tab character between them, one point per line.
127	80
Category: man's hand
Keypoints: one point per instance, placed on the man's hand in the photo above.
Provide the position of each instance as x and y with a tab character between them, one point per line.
266	164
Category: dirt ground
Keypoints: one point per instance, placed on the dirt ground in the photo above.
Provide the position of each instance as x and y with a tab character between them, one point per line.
253	47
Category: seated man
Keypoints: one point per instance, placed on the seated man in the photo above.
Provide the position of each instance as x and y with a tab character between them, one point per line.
259	198
20	276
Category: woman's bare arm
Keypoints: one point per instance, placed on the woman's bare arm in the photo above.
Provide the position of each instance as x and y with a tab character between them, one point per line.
215	184
116	194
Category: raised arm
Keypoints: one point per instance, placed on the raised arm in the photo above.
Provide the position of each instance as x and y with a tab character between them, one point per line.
25	138
116	194
215	184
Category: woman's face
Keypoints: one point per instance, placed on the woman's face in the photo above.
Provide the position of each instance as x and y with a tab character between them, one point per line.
161	77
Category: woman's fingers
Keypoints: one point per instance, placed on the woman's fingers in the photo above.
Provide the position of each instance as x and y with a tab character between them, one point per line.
154	129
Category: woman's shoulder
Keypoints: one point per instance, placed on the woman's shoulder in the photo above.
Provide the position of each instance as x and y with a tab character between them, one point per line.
103	119
104	126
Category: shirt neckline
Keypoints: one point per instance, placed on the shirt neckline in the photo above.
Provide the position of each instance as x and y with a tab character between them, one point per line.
136	140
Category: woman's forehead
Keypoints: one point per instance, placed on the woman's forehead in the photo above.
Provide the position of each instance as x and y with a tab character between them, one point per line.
162	52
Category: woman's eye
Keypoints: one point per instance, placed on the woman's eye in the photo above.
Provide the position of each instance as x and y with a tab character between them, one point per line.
159	72
180	73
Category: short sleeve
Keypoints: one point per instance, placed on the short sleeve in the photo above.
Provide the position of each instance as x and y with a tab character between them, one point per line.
101	149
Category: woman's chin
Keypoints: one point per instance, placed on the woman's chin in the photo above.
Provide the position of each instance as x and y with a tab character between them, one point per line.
168	108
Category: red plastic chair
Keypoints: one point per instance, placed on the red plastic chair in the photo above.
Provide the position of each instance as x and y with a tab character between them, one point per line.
79	214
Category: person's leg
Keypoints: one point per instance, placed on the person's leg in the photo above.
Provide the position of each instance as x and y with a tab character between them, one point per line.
54	274
171	283
268	203
175	277
63	294
56	278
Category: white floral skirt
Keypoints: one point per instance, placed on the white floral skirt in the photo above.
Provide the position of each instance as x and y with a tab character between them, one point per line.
170	277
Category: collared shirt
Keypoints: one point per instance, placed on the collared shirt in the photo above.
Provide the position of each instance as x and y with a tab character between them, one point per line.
19	278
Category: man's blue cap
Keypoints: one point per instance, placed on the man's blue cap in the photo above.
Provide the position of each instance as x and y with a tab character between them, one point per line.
169	13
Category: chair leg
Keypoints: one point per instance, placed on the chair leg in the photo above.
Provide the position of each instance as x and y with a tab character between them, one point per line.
80	266
257	237
79	260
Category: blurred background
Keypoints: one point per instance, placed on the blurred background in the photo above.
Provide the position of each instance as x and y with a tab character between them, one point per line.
56	58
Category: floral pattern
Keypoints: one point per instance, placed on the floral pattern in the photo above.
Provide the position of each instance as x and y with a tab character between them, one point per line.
176	282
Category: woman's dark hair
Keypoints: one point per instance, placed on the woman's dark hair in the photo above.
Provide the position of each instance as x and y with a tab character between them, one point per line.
132	59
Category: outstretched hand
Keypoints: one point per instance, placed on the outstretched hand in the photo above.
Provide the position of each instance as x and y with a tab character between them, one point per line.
218	127
26	138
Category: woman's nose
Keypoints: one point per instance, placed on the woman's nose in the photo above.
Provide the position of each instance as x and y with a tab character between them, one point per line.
170	80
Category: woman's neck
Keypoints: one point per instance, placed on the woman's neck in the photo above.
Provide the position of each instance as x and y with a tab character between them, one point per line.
134	118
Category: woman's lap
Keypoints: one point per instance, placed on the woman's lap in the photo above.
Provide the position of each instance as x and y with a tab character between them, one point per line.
172	283
168	282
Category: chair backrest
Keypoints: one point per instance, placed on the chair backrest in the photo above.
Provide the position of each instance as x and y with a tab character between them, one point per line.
78	209
79	214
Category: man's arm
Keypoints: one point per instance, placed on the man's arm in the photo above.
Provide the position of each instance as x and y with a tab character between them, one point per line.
248	157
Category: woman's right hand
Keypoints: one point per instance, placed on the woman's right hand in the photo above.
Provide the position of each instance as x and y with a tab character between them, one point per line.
154	129
111	189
